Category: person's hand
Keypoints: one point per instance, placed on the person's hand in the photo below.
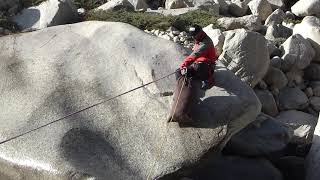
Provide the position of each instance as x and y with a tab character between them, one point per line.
183	71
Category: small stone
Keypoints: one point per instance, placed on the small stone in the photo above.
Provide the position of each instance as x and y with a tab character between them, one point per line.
153	31
176	39
156	32
182	39
315	103
183	33
262	85
81	11
308	91
290	15
176	33
276	62
186	43
7	32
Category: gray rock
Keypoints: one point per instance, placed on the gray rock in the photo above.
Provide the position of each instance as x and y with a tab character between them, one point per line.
306	8
81	11
278	31
313	158
276	62
223	6
250	22
309	28
269	105
263	136
302	123
273	49
295	77
49	13
139	4
240	168
291	167
298	53
262	85
312	72
239	7
315	103
275	4
260	8
292	98
315	85
127	137
113	5
216	36
275	78
248	60
176	4
308	91
275	18
290	15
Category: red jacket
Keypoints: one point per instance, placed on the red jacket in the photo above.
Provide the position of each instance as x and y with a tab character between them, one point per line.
203	51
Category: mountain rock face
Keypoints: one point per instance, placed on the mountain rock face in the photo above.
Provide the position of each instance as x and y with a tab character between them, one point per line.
70	67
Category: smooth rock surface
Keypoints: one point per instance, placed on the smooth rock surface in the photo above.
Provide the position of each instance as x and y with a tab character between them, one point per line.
216	36
125	138
276	17
302	123
298	52
269	105
313	158
315	103
249	22
238	7
292	98
275	4
263	136
248	60
116	5
306	8
309	28
275	78
48	13
260	8
312	72
278	31
239	168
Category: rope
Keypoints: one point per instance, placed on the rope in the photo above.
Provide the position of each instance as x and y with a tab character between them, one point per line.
84	109
159	147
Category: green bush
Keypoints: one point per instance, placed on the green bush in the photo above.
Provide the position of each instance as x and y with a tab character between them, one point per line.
28	3
5	23
89	4
153	20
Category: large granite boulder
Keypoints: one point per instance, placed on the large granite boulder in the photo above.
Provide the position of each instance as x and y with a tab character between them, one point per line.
292	98
276	31
309	28
312	72
48	13
216	36
313	158
249	22
124	138
303	125
116	5
260	8
139	4
275	18
269	105
298	53
275	4
238	7
306	8
246	54
263	136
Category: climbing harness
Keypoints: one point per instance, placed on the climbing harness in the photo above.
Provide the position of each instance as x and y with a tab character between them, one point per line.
84	109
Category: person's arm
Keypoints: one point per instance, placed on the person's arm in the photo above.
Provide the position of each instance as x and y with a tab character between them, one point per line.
193	56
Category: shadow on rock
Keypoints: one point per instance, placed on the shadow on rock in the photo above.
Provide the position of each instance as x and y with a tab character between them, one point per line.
90	153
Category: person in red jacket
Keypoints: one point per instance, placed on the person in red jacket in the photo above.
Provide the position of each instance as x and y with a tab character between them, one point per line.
201	61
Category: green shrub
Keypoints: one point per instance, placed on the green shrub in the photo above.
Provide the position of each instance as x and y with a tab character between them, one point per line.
153	20
28	3
89	4
5	23
288	20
